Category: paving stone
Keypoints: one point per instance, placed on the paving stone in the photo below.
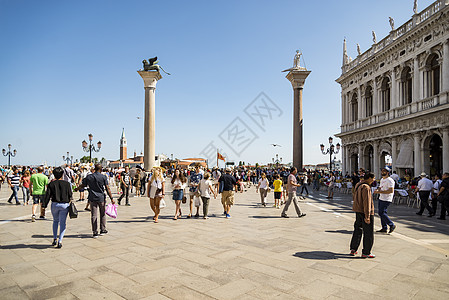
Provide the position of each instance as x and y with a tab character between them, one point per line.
232	290
184	293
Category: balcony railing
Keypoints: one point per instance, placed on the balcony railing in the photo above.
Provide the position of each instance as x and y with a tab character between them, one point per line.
398	112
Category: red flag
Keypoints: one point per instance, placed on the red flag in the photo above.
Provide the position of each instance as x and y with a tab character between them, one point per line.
219	156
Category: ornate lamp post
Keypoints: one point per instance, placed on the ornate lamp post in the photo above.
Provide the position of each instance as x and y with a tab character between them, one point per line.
9	154
277	160
89	148
331	150
68	159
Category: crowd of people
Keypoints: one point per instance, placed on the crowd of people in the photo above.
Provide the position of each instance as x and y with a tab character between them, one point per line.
197	185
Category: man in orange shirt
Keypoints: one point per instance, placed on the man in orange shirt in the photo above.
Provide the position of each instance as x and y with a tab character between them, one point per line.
363	206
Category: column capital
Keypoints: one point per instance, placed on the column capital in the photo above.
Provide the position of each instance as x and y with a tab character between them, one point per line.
297	78
445	130
150	78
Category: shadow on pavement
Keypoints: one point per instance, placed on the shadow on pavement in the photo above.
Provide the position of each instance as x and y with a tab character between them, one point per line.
339	231
75	236
23	246
265	217
322	255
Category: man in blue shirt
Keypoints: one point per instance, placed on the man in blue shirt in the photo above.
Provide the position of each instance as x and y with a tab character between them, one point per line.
97	184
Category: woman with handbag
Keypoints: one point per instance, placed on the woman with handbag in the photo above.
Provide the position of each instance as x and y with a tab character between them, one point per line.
156	191
60	193
179	183
262	188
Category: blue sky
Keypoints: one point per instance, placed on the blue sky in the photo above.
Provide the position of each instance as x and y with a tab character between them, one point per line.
68	68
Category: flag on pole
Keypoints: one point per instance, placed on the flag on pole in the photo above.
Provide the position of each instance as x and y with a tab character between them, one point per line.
219	156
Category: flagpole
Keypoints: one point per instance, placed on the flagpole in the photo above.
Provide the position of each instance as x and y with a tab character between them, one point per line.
217	158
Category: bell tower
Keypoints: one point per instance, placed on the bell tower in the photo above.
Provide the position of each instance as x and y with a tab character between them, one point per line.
123	146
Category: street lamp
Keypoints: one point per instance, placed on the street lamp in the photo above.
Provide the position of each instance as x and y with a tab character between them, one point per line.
9	154
331	150
89	148
277	160
68	159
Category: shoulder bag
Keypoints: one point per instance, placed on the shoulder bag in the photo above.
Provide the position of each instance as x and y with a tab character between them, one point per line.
73	212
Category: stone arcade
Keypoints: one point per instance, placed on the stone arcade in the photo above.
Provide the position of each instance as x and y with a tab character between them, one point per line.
395	98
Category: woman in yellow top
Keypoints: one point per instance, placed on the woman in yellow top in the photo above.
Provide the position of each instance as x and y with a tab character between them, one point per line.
277	191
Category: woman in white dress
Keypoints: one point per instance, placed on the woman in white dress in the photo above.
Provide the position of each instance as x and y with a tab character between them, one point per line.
156	191
262	188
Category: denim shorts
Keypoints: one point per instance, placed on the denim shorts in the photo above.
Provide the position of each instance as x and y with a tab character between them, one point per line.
38	198
178	194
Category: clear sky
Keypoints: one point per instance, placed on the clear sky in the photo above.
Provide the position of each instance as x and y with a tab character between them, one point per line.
68	68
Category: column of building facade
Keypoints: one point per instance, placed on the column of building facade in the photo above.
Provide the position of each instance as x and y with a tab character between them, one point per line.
446	149
394	153
417	154
416	80
376	157
446	66
343	108
361	162
375	97
343	157
359	103
394	96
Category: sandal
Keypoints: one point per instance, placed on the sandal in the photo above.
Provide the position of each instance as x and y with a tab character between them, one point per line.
175	218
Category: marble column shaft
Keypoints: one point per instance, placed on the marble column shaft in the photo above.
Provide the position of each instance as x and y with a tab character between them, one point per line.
446	149
417	155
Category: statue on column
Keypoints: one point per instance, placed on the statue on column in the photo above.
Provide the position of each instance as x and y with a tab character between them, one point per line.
296	63
415	7
151	65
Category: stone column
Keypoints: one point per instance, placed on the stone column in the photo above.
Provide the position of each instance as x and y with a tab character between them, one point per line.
343	103
394	153
376	156
446	149
359	103
375	98
361	160
417	154
445	66
297	78
394	96
343	158
416	80
150	79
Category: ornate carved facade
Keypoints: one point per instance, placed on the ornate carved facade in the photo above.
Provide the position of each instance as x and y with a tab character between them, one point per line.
395	98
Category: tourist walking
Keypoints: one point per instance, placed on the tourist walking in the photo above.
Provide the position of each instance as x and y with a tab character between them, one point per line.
137	182
59	192
363	206
262	188
277	183
330	189
205	188
435	190
98	184
424	188
25	181
227	196
156	191
291	188
125	182
38	183
304	184
82	174
194	180
386	193
14	184
178	182
443	196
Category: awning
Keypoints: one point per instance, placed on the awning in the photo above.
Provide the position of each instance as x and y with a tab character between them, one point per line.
405	157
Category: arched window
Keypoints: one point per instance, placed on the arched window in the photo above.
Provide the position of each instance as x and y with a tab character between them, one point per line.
433	76
354	108
369	101
406	86
385	94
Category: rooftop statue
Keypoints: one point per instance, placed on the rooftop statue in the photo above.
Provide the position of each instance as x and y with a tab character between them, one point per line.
358	50
151	65
415	7
296	63
374	38
391	23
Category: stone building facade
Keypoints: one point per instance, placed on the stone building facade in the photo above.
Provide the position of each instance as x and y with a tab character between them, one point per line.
395	98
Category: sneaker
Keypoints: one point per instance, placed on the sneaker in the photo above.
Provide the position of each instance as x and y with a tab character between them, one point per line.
228	216
392	228
95	235
197	216
301	215
419	214
205	217
42	217
274	205
353	252
382	230
33	218
59	246
103	232
87	209
18	203
55	241
284	216
224	213
368	255
127	204
264	205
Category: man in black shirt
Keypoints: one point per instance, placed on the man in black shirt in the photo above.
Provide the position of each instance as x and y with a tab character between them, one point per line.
125	183
443	195
97	184
227	196
355	179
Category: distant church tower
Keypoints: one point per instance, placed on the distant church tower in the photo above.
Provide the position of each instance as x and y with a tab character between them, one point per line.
123	146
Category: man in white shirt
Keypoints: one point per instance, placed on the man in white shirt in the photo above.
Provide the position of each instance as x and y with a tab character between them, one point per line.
386	193
395	177
424	188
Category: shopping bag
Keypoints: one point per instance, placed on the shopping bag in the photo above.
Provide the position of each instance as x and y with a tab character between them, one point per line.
73	212
111	210
197	201
162	203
